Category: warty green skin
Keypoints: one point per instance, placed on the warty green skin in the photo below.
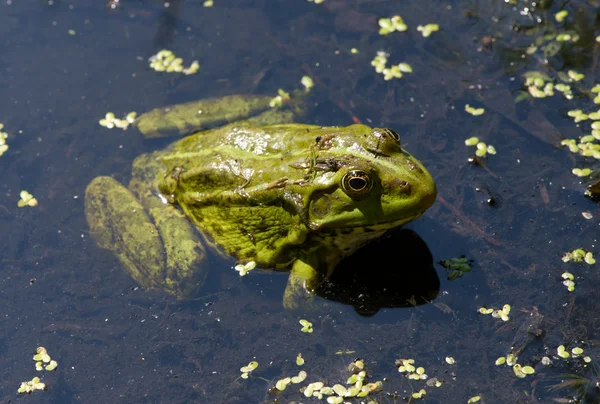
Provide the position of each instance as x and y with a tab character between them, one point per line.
271	194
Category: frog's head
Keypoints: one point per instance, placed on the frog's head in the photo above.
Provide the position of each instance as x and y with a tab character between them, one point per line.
377	184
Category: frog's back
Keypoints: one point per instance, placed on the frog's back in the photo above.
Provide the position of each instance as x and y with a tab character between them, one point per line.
264	140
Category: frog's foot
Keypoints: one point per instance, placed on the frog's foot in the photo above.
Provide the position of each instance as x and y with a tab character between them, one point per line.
118	222
299	292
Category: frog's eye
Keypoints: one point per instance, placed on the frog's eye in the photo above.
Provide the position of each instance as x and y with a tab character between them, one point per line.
357	184
393	134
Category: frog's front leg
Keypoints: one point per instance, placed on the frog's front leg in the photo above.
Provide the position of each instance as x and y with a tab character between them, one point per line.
302	282
155	244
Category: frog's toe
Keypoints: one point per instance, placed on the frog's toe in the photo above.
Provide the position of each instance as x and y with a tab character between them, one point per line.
119	223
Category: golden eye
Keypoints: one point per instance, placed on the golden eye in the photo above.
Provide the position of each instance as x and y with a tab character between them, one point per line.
393	134
357	184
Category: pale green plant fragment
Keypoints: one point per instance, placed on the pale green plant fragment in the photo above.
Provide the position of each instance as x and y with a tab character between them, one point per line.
26	200
474	111
393	24
307	82
306	326
576	351
574	76
243	269
581	172
500	361
472	141
281	97
166	61
31	386
208	3
474	399
419	394
561	15
562	352
299	360
428	29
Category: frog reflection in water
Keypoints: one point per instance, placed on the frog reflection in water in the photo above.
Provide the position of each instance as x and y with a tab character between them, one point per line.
260	188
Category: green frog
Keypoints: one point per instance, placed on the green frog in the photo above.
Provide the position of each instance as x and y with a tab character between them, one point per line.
250	183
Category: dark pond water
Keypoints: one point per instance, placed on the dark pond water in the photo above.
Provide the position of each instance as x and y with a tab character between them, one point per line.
64	64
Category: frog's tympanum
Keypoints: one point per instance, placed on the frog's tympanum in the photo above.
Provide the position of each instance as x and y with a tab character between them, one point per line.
287	196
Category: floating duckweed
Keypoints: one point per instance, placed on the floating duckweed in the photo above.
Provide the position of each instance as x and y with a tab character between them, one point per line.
339	389
589	258
565	89
561	15
246	370
356	366
307	82
434	381
388	25
110	121
300	378
587	139
587	359
299	360
500	361
354	51
511	359
316	1
473	399
31	386
528	370
405	68
450	360
166	61
474	111
574	76
306	326
406	366
379	61
26	200
581	172
500	313
392	72
546	361
51	366
519	371
562	352
282	383
578	255
472	141
568	281
38	366
3	136
428	29
413	373
243	269
419	394
457	266
594	116
42	355
333	399
577	115
208	3
280	99
576	351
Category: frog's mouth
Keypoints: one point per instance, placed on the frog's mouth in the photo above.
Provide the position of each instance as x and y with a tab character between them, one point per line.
367	227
